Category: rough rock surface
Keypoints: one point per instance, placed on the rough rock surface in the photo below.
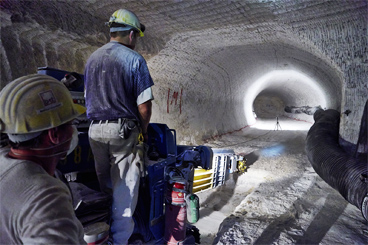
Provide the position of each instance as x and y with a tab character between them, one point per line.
279	199
216	64
210	60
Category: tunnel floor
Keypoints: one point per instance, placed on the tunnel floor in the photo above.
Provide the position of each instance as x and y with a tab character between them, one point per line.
279	199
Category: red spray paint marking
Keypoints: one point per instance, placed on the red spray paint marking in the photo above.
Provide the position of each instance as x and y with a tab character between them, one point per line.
219	135
296	119
174	98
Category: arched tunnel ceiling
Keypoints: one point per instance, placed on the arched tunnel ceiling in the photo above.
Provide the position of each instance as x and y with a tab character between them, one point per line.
227	69
207	58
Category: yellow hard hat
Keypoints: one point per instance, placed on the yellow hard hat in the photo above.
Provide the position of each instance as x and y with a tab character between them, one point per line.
35	103
127	19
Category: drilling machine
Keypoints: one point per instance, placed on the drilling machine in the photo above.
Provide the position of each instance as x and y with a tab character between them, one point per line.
167	207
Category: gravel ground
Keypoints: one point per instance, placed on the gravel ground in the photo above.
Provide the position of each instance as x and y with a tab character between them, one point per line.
279	199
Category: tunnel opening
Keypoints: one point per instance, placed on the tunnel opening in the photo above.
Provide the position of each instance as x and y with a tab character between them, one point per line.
276	94
231	76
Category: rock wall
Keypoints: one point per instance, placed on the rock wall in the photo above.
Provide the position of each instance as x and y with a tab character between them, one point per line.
208	59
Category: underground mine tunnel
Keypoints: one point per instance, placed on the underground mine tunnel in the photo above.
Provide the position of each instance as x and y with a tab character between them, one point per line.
225	73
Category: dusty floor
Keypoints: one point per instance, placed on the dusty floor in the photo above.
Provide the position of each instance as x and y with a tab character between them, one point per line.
279	199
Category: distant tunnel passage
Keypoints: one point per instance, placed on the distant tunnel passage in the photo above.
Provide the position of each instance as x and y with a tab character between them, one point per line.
225	88
268	106
272	93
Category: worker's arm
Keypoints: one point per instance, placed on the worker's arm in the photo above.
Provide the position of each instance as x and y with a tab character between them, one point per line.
145	112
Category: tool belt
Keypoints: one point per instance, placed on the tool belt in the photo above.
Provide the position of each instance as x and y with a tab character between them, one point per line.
126	125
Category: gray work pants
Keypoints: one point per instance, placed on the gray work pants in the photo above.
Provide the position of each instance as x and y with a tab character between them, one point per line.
117	168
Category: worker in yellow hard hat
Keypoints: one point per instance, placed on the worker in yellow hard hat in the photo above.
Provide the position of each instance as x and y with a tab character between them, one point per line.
118	100
36	113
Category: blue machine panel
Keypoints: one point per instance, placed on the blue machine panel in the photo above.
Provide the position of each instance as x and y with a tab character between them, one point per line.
156	179
59	74
162	139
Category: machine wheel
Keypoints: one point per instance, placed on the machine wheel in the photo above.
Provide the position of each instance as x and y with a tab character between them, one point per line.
194	231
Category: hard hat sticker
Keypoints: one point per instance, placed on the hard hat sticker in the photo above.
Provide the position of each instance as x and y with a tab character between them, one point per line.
49	101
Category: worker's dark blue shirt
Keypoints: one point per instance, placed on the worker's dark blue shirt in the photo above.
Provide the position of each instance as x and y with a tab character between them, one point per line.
114	77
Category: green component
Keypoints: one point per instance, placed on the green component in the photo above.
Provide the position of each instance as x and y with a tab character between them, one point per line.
192	201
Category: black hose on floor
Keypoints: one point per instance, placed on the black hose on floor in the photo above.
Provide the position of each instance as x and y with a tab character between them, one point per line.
343	172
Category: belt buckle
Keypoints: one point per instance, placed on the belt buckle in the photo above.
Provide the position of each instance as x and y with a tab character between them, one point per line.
131	124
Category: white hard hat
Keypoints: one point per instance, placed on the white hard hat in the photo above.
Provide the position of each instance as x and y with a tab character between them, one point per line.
129	21
33	103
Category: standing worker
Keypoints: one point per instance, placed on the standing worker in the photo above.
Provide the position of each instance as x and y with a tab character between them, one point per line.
118	100
36	112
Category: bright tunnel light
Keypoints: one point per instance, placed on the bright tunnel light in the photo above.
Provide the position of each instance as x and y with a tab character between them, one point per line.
284	124
294	80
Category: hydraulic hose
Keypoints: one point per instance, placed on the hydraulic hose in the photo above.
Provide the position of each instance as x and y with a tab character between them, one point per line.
343	172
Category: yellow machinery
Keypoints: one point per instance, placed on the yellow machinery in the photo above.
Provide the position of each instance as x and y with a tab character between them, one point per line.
224	162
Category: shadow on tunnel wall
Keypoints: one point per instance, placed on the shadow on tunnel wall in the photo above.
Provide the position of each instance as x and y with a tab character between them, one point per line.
360	149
